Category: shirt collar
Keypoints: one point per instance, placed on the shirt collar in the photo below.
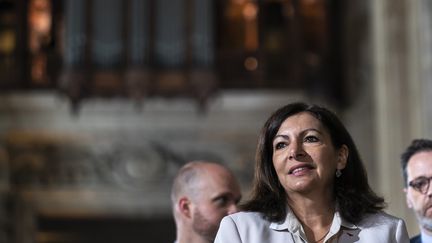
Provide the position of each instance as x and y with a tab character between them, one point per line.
292	224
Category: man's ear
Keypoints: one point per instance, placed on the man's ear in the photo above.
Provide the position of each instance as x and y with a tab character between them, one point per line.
408	202
342	157
184	205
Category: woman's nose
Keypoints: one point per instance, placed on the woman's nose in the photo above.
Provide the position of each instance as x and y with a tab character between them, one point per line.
296	151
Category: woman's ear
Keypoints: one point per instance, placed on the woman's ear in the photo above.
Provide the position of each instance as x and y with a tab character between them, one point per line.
342	157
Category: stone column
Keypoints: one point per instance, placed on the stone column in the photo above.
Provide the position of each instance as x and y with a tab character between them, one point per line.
75	37
399	86
421	63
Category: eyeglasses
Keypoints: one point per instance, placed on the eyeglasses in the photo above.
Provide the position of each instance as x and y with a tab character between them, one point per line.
421	184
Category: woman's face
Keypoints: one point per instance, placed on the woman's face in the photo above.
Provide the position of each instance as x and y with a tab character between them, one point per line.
304	157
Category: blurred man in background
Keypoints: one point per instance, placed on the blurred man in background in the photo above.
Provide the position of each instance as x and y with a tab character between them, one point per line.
202	194
417	171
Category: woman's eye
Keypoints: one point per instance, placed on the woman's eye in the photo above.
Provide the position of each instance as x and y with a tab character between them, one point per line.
311	139
280	145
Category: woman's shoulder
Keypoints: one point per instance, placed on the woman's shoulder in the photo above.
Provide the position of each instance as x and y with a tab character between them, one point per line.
245	227
248	218
249	226
383	227
246	215
379	219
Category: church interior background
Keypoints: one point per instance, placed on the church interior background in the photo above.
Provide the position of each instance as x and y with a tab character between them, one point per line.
101	101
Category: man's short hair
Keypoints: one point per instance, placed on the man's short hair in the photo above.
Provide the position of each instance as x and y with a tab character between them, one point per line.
185	177
416	146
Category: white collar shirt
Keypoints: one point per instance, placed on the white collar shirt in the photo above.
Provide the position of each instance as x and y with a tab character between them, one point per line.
292	225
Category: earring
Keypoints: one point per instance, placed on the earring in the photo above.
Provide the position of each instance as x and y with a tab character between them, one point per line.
338	173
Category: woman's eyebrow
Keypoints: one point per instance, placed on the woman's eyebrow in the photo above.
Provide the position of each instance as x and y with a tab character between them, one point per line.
282	136
304	131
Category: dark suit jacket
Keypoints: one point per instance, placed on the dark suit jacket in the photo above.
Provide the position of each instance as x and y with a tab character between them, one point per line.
416	239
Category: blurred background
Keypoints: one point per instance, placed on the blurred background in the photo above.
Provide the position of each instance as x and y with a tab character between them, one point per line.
101	101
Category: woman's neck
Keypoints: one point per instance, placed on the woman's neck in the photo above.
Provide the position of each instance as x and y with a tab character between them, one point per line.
311	203
315	214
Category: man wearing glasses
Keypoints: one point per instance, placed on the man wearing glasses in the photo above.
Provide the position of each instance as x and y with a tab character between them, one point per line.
417	172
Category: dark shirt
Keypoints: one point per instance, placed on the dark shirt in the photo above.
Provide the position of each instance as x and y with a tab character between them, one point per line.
416	239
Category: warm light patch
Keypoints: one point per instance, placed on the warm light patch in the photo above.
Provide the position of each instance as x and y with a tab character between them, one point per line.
251	63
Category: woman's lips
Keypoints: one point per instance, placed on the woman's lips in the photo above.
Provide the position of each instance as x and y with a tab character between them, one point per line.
300	169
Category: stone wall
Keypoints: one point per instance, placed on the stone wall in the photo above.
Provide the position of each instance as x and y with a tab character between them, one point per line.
111	160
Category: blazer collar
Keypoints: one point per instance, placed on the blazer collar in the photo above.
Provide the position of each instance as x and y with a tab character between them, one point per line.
292	224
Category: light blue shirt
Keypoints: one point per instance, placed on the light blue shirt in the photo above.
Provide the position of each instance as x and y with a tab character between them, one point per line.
426	238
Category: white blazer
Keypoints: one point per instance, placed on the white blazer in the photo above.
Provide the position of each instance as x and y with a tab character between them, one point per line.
251	227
